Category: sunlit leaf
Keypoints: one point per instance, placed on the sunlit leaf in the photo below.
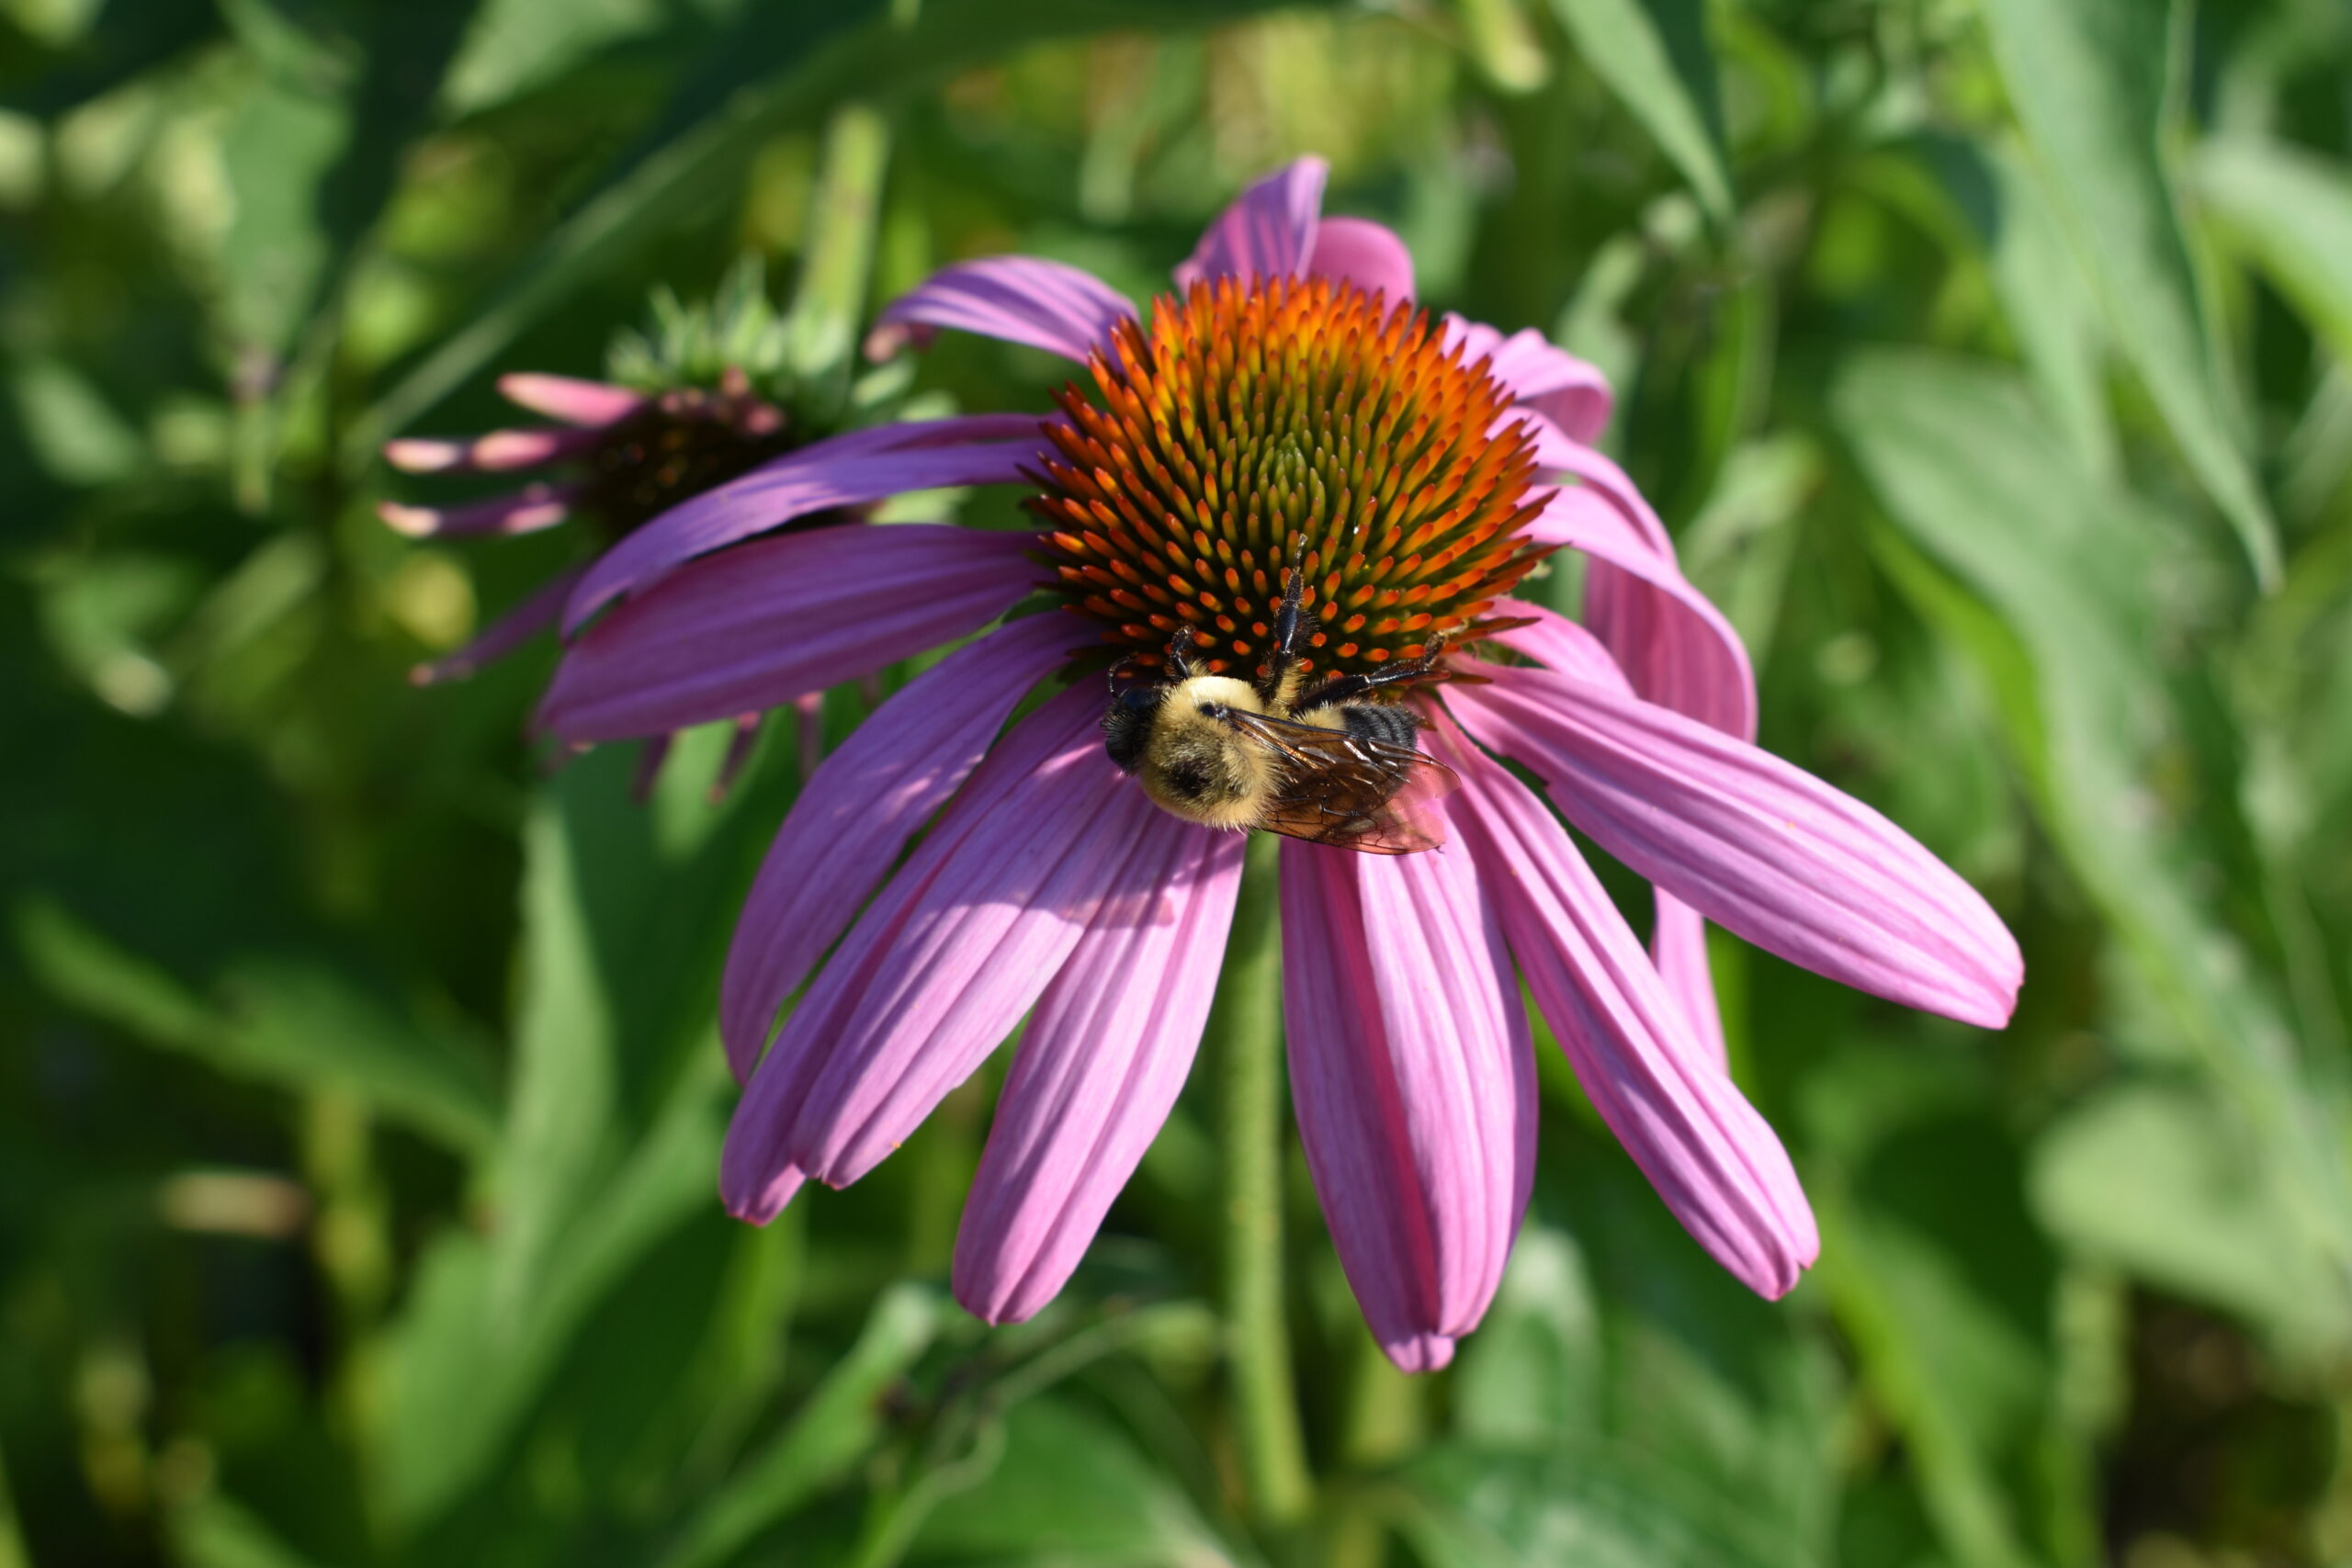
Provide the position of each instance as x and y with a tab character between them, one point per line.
1971	473
2093	81
1654	56
2292	211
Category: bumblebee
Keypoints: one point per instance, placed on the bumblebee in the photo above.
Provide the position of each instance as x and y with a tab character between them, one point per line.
1320	762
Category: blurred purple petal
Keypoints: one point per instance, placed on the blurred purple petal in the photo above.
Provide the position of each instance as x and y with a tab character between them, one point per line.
857	812
847	470
1755	845
1713	1160
1096	1071
500	451
524	511
756	627
591	405
510	631
1269	232
1414	1084
1024	299
1572	394
1367	254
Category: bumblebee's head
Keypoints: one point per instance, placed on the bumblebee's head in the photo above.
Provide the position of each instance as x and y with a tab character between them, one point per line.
1127	729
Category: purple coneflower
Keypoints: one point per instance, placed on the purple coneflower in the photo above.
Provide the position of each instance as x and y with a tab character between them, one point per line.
1286	392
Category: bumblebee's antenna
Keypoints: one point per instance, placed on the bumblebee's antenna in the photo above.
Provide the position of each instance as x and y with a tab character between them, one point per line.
1111	676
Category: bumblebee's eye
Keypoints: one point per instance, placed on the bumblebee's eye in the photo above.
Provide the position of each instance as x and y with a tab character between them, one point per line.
1142	700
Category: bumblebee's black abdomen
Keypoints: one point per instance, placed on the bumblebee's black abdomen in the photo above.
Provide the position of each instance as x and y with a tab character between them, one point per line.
1395	725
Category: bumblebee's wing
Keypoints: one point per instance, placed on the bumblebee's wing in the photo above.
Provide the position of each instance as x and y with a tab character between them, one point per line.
1355	793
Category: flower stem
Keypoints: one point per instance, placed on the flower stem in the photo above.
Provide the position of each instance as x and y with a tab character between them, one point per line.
1246	1035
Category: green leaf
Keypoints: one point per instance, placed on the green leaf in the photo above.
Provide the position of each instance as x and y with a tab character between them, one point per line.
295	1026
2292	212
218	1533
1972	475
1070	1488
2050	307
2152	1179
2092	82
1936	1279
835	1427
1465	1506
559	1111
1532	1372
1653	54
463	1370
848	49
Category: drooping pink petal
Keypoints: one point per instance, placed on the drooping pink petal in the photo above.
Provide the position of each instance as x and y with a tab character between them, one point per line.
1713	1160
1026	300
590	404
501	451
525	511
1754	844
1679	949
1678	941
503	635
1414	1083
1269	232
1096	1071
844	471
857	812
889	945
1572	394
1672	643
759	625
1367	254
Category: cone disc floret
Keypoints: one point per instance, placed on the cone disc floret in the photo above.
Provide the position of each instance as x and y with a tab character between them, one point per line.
1259	424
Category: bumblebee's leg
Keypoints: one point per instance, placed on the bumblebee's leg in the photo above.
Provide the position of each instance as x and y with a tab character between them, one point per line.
1284	652
1347	688
1180	654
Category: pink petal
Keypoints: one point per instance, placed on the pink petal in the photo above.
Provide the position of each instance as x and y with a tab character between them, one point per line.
1414	1085
524	511
845	470
1756	846
1572	394
1711	1158
759	625
759	1141
425	454
1672	643
592	404
501	451
1097	1070
1269	232
505	635
1552	638
1678	948
1366	254
857	812
1024	299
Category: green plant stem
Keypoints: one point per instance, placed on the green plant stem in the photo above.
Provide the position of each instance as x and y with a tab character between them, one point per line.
1245	1036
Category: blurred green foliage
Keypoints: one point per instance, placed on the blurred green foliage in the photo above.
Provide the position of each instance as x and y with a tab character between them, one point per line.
359	1093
